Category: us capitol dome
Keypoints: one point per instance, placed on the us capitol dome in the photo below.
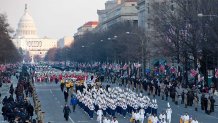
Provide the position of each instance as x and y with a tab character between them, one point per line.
26	37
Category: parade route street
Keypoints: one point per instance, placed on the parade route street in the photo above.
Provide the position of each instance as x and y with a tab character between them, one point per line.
52	101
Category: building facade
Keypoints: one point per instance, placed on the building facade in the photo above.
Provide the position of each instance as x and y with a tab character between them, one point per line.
146	13
146	17
65	41
87	27
27	40
117	11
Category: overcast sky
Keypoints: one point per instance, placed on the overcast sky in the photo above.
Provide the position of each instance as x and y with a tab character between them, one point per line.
53	18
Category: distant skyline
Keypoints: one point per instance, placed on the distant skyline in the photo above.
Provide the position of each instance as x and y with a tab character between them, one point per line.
53	18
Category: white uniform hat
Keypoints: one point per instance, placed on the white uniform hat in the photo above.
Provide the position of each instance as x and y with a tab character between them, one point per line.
168	105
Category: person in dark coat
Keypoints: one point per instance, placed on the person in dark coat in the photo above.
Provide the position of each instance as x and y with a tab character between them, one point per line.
10	99
202	102
212	100
5	100
73	102
4	112
62	86
66	95
30	110
11	91
23	115
34	121
205	104
208	106
56	80
66	111
166	93
183	95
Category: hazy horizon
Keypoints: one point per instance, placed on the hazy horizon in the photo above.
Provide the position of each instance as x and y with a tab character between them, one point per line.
53	18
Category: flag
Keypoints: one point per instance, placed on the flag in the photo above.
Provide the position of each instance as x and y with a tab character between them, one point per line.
137	65
216	73
162	68
193	73
172	69
125	66
129	72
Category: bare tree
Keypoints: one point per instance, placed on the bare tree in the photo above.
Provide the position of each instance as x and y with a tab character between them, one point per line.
8	52
183	33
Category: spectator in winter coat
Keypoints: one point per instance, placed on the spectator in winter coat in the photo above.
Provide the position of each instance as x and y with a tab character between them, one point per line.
11	91
5	100
212	100
208	106
30	110
4	111
10	99
195	101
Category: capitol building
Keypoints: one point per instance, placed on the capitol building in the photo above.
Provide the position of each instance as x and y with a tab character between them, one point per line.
26	38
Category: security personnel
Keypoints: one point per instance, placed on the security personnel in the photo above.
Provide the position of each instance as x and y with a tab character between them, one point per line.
66	111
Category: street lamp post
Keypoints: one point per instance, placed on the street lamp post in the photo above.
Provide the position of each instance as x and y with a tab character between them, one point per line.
142	57
114	38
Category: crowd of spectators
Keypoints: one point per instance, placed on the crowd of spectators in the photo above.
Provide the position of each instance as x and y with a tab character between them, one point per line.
17	108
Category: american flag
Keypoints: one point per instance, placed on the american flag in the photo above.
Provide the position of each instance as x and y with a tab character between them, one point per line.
216	73
137	65
125	66
2	68
172	69
193	73
162	68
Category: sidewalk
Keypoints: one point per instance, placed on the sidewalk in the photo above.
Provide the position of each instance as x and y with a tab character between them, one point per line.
5	92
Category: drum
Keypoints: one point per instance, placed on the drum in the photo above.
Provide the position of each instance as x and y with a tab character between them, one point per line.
149	121
180	121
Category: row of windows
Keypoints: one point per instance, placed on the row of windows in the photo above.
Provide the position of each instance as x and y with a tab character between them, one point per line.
34	43
39	44
27	26
27	32
172	7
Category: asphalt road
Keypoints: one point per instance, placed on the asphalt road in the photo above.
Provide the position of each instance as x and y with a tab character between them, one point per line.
52	101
